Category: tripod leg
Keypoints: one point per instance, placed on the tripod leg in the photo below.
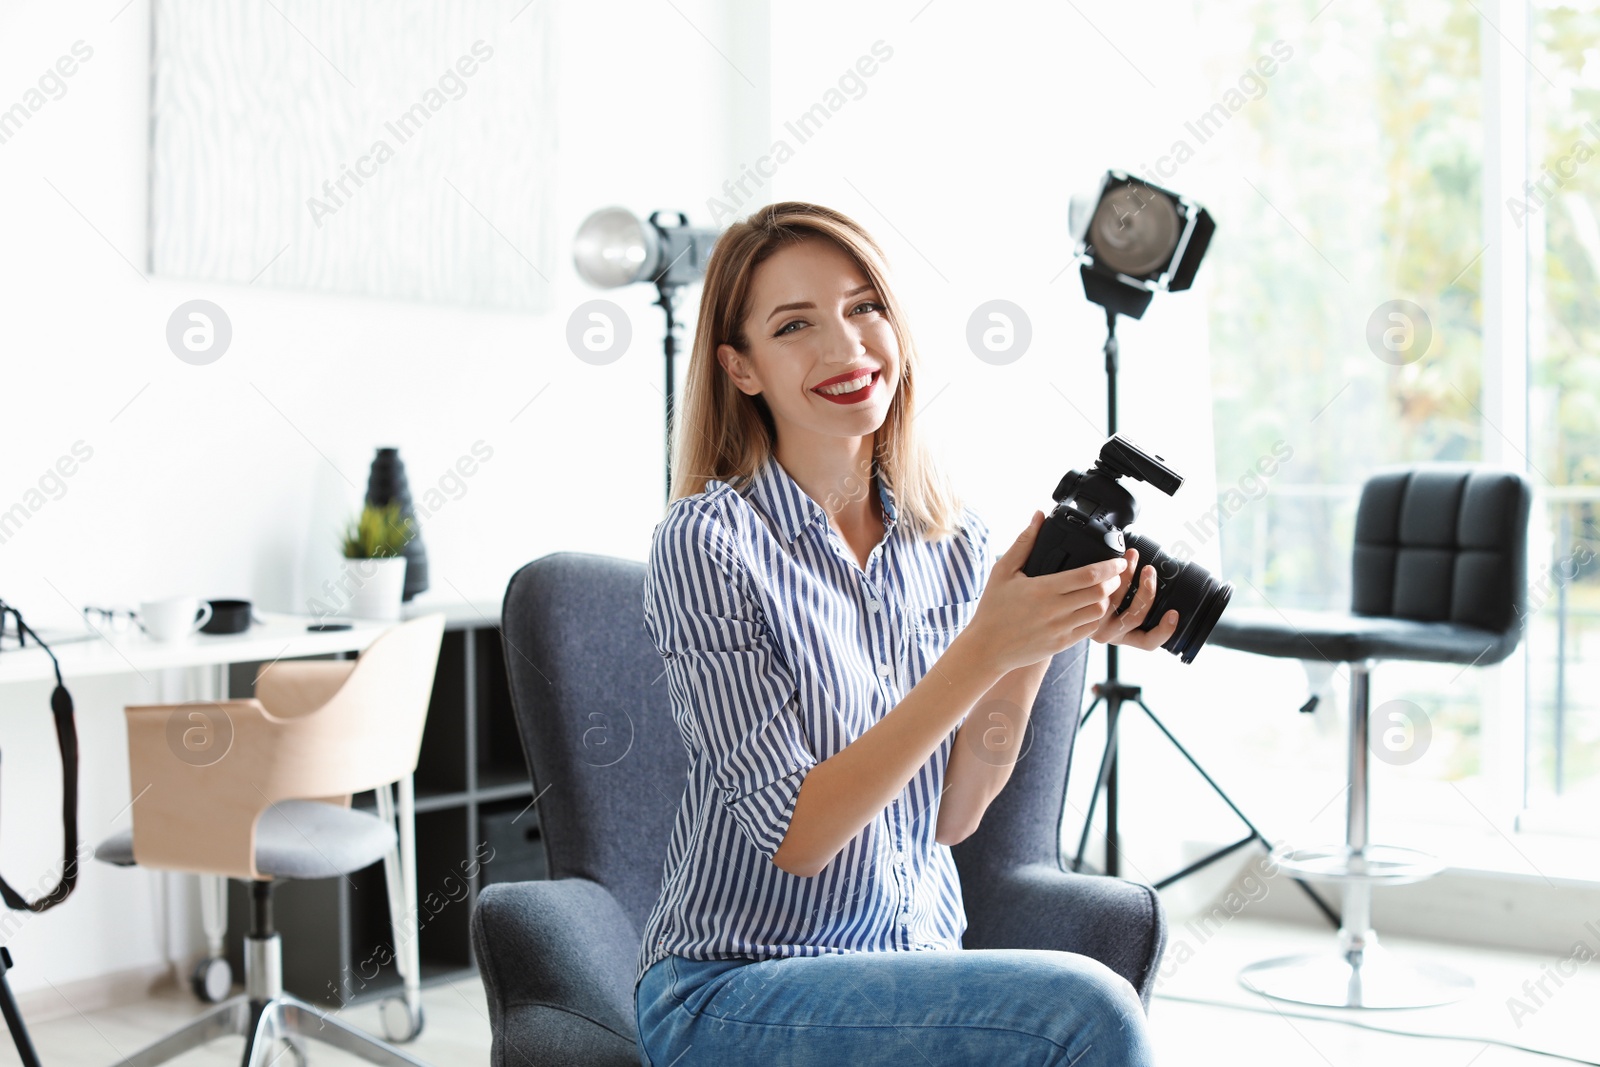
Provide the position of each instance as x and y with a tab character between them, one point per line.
8	1005
1107	758
1089	711
1196	765
1255	834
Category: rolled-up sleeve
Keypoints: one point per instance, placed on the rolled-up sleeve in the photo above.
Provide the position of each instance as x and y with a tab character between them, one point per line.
733	695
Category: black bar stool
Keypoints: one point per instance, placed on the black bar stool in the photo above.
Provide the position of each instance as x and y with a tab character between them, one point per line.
1439	575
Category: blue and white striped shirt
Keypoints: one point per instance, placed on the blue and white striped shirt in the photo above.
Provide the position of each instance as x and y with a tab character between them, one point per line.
780	650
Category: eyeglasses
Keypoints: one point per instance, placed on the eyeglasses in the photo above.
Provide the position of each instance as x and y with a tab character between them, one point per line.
117	620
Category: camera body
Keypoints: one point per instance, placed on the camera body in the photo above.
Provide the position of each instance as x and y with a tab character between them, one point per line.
1088	524
1092	509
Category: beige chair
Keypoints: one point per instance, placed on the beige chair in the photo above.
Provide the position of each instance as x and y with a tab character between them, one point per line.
260	790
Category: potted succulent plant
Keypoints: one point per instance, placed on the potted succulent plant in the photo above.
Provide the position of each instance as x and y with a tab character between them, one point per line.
375	562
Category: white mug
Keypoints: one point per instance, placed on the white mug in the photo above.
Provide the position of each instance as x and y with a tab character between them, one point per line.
174	618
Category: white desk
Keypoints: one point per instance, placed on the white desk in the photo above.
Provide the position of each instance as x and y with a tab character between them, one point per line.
275	637
168	667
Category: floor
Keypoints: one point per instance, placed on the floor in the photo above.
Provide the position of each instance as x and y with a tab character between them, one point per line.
1268	1032
1561	1023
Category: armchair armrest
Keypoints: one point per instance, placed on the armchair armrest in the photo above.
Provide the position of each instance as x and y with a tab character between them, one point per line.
1120	923
557	960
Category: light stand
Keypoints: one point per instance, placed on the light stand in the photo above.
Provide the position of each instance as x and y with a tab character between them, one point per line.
1139	239
667	301
615	248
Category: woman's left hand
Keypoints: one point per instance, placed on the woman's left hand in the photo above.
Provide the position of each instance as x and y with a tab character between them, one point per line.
1122	629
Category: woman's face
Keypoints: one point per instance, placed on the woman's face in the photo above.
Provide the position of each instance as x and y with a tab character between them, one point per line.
814	317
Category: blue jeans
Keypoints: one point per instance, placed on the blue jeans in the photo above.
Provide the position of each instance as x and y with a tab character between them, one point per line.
927	1008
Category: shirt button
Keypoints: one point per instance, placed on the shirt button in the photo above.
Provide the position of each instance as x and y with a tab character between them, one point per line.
884	669
873	605
900	857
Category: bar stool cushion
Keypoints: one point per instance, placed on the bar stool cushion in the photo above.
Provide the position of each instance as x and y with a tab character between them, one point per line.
1438	575
1343	638
296	839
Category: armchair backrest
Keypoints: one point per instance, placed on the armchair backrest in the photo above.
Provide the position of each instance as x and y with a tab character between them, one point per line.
607	764
1444	542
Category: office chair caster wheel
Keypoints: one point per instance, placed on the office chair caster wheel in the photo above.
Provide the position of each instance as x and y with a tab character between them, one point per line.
212	980
400	1023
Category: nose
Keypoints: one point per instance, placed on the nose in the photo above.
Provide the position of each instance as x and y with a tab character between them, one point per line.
844	343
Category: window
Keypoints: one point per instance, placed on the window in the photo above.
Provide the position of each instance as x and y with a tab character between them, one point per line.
1357	289
1558	215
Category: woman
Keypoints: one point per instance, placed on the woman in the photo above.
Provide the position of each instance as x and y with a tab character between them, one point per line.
829	612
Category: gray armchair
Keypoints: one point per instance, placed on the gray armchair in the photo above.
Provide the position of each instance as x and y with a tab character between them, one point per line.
557	957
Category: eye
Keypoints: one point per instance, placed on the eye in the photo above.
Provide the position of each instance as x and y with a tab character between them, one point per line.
784	329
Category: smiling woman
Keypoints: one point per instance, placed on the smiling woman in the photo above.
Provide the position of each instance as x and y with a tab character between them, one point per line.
824	315
828	613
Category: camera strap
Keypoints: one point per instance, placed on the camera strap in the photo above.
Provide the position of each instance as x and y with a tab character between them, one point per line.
67	741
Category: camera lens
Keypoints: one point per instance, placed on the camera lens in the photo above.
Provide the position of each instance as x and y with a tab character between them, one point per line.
1187	588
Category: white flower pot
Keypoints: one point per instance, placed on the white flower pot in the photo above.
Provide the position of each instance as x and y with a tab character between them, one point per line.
375	587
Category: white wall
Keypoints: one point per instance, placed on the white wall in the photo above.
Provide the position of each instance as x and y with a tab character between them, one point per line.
200	485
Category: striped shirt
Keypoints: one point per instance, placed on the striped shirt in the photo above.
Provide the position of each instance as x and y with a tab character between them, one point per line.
779	651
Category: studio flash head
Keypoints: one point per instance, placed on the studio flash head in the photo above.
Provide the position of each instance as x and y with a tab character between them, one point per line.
1135	239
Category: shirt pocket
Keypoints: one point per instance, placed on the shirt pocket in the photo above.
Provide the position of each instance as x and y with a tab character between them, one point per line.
947	619
932	630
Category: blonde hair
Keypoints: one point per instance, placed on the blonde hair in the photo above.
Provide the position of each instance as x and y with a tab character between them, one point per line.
723	433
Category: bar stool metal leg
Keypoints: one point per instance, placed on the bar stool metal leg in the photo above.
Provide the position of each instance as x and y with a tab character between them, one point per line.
1359	973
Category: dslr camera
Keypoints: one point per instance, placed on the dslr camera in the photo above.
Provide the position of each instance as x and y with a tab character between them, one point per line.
1088	525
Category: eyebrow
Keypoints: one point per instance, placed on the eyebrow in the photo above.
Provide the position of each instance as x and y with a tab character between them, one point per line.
808	304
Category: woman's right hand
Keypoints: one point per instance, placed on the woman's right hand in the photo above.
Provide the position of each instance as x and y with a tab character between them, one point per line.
1022	619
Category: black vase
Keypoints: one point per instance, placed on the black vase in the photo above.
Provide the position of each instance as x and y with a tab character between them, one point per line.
387	483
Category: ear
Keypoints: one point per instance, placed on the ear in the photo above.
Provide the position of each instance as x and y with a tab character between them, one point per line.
739	369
